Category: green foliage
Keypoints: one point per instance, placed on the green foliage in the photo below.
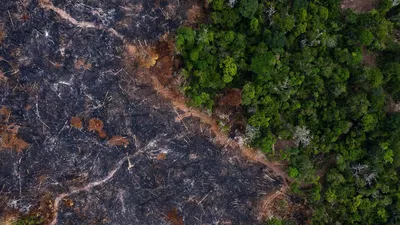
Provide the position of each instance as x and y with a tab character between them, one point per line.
293	172
298	4
366	37
299	66
185	38
255	25
262	64
29	220
218	4
203	99
266	142
276	221
248	93
393	14
248	7
229	69
323	13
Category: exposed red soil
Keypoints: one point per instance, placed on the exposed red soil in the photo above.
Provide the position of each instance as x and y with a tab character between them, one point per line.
174	218
284	144
48	5
2	33
359	6
368	57
195	14
232	97
82	64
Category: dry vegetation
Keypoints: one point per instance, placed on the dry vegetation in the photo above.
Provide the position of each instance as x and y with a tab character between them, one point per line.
3	78
145	56
195	14
9	133
174	218
118	141
2	32
76	122
97	125
82	64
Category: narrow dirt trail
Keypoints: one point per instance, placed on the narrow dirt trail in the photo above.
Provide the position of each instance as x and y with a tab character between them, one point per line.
48	5
86	188
221	138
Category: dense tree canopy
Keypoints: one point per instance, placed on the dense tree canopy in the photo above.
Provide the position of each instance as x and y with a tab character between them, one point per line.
299	64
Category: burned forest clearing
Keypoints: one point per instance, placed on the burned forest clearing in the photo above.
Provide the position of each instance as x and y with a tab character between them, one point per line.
199	112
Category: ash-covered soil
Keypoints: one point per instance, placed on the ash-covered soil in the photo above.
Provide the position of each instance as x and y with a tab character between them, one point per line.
81	142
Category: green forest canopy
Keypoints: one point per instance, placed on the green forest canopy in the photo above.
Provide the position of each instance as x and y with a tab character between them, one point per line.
299	64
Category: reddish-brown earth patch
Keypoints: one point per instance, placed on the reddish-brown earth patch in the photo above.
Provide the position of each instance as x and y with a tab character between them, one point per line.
97	125
10	140
82	64
2	32
174	218
195	14
2	77
232	97
284	144
161	156
359	5
9	133
76	122
369	58
118	141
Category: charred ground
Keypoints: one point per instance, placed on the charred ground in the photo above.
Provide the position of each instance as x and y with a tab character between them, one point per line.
70	95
